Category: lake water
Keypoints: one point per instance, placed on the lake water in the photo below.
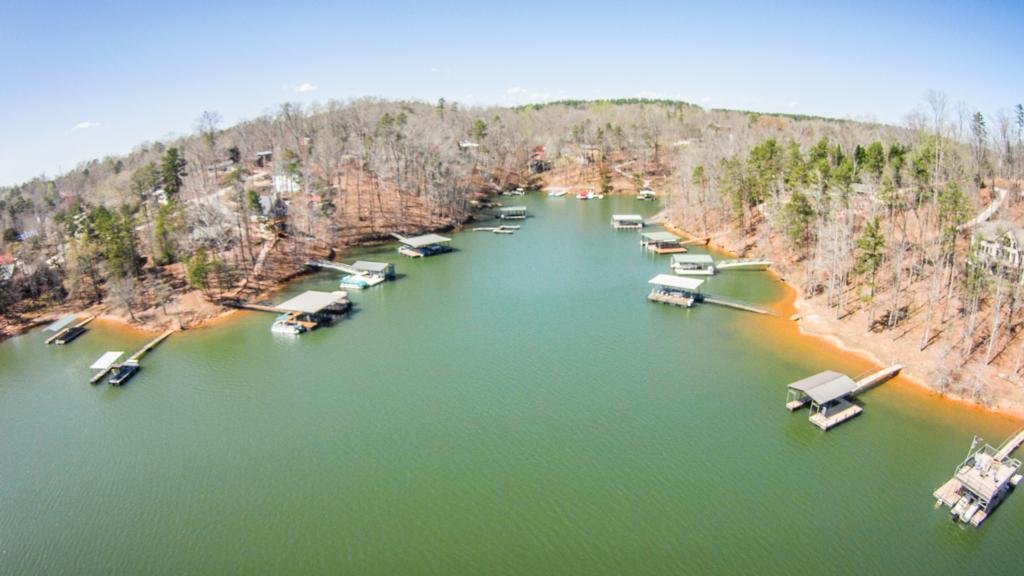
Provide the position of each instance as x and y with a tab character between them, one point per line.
514	407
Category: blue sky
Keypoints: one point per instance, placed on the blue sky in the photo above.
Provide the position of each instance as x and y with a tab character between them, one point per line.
83	80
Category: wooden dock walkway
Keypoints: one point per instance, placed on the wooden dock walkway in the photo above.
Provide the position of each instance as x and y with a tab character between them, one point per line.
736	305
675	300
1010	445
877	378
149	346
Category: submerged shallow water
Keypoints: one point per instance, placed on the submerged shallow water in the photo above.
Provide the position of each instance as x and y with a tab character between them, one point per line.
515	407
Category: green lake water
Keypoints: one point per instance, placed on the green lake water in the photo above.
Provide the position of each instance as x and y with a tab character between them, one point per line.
514	407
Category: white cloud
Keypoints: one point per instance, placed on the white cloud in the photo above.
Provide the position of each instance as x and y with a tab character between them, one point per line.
86	125
516	90
305	87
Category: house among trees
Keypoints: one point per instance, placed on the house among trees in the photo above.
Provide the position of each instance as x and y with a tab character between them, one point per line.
999	244
286	183
263	159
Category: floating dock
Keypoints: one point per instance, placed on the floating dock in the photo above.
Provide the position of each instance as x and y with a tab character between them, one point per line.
506	229
693	265
65	331
661	243
362	274
830	393
423	246
982	481
121	373
669	289
627	221
512	213
307	311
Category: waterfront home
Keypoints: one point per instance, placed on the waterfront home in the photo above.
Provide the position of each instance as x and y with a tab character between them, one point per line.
512	213
422	246
693	264
1000	245
669	289
661	243
627	221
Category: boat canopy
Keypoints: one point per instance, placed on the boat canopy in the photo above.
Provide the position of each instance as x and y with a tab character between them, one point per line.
677	282
61	324
424	240
313	301
659	237
366	266
627	218
825	386
692	259
106	361
513	209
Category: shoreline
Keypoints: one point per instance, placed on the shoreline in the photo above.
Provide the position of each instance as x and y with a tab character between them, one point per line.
794	307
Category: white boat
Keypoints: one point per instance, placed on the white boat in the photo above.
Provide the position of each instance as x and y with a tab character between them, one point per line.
556	193
589	196
361	281
743	264
284	324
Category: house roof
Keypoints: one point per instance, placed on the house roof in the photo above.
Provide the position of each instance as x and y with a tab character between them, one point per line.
6	259
692	259
627	217
994	229
677	282
312	301
659	237
424	240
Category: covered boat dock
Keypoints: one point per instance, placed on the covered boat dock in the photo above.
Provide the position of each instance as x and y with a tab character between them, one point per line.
422	246
309	310
693	264
512	213
627	221
66	330
829	393
982	481
661	243
669	289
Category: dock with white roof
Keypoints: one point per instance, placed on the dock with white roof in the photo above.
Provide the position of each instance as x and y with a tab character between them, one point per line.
627	221
422	246
830	393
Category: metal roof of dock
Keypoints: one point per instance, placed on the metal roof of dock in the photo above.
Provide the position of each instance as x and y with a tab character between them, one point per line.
61	324
371	266
627	218
659	237
678	282
424	240
312	301
513	208
693	259
106	361
825	386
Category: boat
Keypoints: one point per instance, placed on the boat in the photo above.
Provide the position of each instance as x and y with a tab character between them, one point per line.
360	281
285	324
743	264
123	373
556	193
589	195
